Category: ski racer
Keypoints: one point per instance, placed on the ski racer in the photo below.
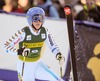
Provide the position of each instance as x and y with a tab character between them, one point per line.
30	40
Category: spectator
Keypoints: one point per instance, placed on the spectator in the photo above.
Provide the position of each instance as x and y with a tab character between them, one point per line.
76	9
10	5
1	3
91	12
59	8
24	5
62	2
48	7
74	13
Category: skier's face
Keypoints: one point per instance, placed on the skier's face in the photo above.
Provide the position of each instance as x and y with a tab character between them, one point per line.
37	24
37	21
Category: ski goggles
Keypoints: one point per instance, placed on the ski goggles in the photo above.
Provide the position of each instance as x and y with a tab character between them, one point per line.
36	18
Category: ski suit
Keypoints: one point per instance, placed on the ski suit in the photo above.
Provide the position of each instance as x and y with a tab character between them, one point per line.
31	67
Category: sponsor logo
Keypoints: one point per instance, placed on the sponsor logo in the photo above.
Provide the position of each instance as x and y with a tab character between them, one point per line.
17	41
50	40
28	37
33	45
43	36
67	10
34	51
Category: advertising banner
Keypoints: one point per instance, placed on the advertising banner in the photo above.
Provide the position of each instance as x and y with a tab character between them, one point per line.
87	51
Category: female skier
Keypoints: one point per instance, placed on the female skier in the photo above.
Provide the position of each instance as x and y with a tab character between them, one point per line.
31	40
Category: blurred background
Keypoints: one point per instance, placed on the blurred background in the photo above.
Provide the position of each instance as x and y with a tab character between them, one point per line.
87	34
53	8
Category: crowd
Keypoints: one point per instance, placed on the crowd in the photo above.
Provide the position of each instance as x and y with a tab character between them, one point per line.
89	11
52	8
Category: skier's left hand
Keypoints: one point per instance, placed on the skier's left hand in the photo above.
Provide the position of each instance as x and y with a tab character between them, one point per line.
61	58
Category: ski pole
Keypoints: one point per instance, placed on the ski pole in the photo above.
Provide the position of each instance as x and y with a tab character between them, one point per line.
60	66
61	71
23	65
25	53
23	68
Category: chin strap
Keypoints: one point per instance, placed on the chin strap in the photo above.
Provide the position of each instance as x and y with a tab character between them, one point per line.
35	28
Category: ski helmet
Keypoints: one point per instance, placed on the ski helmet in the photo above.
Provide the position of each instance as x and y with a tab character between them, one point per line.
34	11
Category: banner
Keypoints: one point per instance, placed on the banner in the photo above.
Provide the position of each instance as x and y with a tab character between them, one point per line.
87	51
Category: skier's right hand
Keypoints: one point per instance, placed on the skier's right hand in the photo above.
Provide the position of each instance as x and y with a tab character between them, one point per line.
20	51
23	51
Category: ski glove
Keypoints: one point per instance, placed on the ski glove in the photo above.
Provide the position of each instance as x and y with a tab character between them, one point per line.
61	58
20	51
23	51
